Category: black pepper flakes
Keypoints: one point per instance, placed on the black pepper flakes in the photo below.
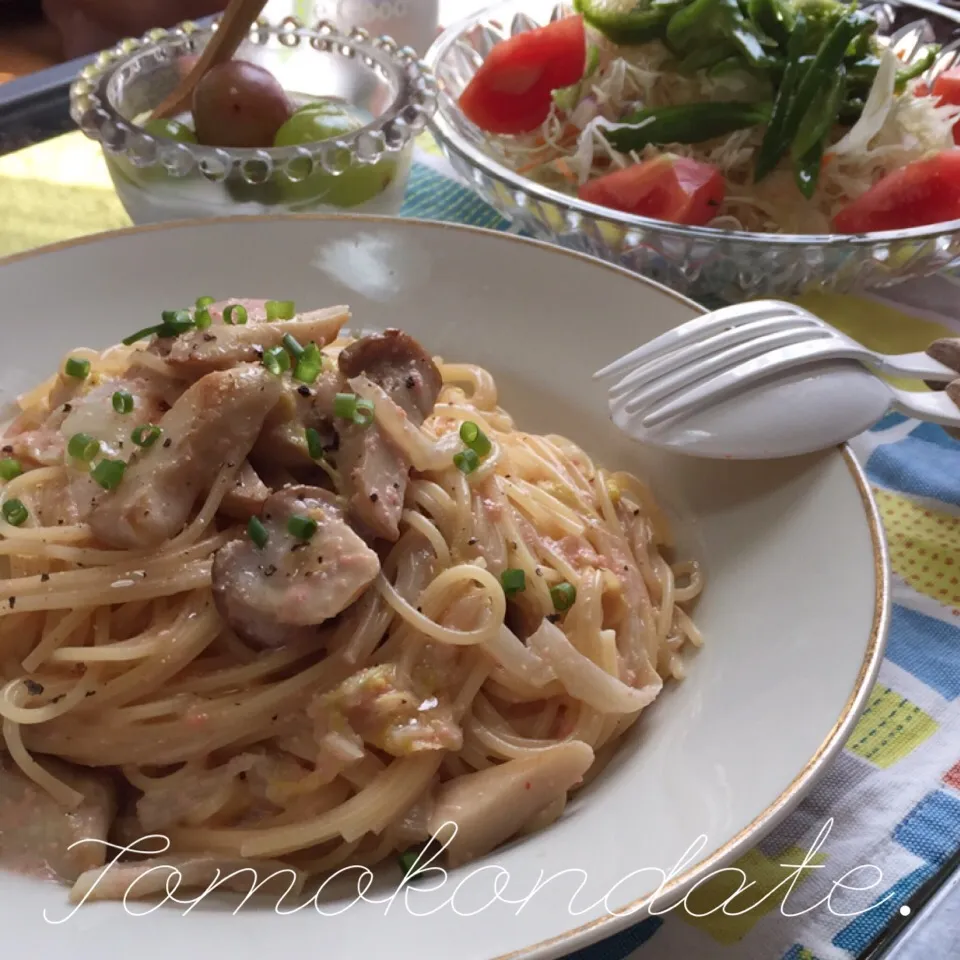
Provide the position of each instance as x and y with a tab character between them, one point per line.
58	698
13	602
411	381
67	407
304	390
374	497
33	688
269	570
44	577
539	571
167	442
209	338
91	693
472	542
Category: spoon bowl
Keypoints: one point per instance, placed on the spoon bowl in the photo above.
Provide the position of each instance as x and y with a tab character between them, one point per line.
788	415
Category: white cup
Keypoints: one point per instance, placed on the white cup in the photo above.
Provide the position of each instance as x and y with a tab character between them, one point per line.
412	23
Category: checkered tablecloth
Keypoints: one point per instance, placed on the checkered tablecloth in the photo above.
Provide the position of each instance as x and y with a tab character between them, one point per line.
894	792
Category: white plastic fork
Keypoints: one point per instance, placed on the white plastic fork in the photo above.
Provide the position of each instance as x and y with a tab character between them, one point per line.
688	371
727	350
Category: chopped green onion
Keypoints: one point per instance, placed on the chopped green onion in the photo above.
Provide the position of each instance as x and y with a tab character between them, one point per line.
141	334
293	346
466	461
122	402
350	407
513	581
314	444
363	415
80	369
345	405
202	318
309	364
235	314
563	596
306	372
475	438
173	326
108	473
146	435
14	512
82	446
281	309
303	528
174	323
276	360
408	860
204	302
257	532
10	469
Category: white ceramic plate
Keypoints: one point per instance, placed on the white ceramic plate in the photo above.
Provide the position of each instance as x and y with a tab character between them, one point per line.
794	611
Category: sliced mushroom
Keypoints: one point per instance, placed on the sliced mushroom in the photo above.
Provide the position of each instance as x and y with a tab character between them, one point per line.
492	805
223	346
374	478
373	472
283	441
214	423
40	837
398	364
247	496
281	592
142	879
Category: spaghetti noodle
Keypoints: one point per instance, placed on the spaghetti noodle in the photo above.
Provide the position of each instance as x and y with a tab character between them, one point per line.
526	604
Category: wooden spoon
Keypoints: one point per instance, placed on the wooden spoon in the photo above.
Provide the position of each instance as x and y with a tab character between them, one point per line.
237	19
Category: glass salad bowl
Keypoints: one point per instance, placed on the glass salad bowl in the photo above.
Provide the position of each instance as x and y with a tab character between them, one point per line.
705	262
163	177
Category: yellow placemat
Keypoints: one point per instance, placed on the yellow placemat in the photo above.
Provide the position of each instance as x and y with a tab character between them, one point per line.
55	191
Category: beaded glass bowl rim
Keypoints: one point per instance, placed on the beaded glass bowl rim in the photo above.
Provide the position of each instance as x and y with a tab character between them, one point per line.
388	134
443	125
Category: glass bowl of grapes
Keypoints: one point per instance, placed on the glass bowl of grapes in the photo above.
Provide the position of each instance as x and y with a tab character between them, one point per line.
300	119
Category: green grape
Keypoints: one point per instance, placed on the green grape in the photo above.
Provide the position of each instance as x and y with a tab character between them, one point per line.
162	129
324	120
170	130
324	106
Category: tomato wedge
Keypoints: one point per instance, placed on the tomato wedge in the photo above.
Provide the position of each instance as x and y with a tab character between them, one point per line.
670	188
923	192
510	93
947	88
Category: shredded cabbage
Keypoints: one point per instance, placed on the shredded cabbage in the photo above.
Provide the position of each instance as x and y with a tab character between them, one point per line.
893	130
